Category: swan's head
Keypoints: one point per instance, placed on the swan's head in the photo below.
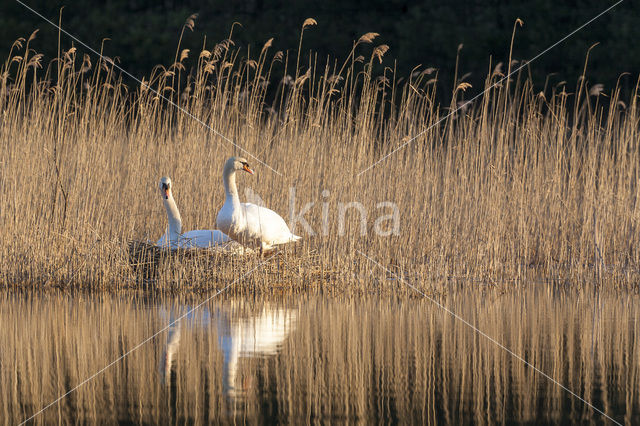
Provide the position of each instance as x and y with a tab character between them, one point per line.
237	163
165	187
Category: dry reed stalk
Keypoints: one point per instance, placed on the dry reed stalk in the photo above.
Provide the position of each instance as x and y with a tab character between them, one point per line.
505	190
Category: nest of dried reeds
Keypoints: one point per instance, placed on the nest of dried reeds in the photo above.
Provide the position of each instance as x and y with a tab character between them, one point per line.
158	267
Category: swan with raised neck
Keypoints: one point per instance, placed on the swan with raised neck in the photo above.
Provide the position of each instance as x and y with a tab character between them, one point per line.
174	237
248	223
173	214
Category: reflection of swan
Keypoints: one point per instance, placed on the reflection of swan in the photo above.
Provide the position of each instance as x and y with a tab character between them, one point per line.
248	223
257	335
174	237
175	319
241	333
173	341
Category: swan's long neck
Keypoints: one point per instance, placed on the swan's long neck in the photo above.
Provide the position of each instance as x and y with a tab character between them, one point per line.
230	188
173	215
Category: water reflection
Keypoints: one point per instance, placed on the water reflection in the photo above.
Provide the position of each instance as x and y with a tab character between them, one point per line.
306	359
242	335
167	364
243	332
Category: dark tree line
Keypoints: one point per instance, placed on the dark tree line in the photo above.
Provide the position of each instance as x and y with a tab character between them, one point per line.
144	33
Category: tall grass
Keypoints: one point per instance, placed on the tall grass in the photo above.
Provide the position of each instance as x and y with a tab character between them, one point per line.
523	182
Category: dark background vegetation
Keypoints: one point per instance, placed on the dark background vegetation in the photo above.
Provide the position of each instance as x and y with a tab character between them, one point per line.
144	33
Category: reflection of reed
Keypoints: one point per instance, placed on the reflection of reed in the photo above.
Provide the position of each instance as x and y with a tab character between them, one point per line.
354	360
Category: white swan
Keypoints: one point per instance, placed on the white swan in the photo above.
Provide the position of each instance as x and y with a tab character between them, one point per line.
248	223
174	238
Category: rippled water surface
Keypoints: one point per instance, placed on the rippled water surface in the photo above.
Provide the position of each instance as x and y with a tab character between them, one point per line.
296	359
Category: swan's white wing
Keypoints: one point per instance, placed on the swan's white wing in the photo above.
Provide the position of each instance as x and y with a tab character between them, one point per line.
266	225
202	239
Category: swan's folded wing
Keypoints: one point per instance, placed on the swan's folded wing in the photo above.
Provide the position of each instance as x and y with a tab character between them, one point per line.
267	225
202	238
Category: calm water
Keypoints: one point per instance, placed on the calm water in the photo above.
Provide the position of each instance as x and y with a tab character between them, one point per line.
312	359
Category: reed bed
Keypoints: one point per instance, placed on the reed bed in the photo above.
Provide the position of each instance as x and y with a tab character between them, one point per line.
525	182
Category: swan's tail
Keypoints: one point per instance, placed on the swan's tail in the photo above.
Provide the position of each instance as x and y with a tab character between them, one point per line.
295	237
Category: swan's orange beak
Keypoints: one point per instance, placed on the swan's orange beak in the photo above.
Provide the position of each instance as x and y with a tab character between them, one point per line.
247	169
165	191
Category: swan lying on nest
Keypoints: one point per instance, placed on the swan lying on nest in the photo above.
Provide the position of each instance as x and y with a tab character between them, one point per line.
247	223
196	239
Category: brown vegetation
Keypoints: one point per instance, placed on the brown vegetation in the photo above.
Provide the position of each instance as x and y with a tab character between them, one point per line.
523	182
